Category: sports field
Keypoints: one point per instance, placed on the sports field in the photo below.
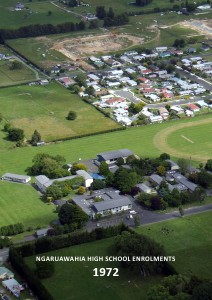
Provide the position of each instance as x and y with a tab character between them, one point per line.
141	140
37	13
189	239
45	109
187	140
74	280
21	204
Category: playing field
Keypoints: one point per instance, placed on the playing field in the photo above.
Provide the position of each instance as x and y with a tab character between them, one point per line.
37	13
74	280
141	140
45	109
187	140
21	204
189	239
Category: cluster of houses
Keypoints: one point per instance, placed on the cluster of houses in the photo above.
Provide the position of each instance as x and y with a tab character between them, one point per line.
198	63
9	283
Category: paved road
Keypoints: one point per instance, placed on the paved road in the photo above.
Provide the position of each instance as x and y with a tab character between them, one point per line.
147	217
206	84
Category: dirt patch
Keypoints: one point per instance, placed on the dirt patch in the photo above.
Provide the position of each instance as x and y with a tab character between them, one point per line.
204	27
160	141
77	49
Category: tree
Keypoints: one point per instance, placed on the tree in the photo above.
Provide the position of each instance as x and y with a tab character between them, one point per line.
104	169
183	164
7	127
1	117
81	79
72	3
53	192
51	166
110	13
161	170
72	214
164	156
137	221
203	291
120	161
158	292
100	12
81	190
36	138
181	211
72	115
16	134
16	65
133	244
90	90
49	13
44	269
97	184
77	167
208	165
125	180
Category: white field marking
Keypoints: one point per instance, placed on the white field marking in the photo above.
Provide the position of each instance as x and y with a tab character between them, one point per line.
187	139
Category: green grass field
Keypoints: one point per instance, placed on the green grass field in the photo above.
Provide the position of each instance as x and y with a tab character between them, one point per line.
74	280
37	13
189	239
13	77
21	203
45	108
140	140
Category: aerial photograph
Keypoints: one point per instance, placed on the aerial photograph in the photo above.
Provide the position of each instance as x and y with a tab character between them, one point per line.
106	149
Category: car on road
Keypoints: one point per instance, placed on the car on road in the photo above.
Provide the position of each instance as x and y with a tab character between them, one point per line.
132	212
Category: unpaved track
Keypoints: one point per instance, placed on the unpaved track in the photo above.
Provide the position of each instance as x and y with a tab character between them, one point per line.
160	141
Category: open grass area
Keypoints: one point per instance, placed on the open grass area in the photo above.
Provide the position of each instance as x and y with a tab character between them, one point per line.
74	280
189	239
12	77
37	13
189	140
21	203
140	140
45	109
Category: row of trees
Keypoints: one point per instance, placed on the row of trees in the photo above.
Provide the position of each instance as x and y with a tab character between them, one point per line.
38	29
142	2
11	229
110	18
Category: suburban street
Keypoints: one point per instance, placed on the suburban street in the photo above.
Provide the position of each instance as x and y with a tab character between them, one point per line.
146	216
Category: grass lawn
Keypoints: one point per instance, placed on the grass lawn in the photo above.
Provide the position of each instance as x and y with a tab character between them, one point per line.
74	280
37	13
45	108
12	77
140	140
21	203
189	239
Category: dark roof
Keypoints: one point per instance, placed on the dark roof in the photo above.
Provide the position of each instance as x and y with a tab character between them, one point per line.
115	154
182	179
110	204
156	178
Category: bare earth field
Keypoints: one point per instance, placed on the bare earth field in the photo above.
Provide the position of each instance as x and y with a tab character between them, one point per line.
201	26
78	48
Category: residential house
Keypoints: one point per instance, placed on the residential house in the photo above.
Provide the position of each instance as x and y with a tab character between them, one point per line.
193	107
5	273
179	178
173	165
13	287
164	113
